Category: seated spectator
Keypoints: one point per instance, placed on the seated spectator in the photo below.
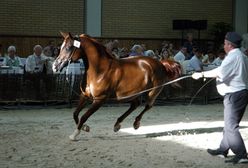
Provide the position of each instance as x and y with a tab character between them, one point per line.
190	43
11	59
245	51
113	48
181	55
123	53
209	57
136	50
2	59
164	55
171	50
195	63
56	52
50	59
149	53
35	63
157	56
220	58
1	50
144	47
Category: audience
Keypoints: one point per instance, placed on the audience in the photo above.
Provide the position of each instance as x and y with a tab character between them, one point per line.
190	43
35	63
209	57
11	59
220	58
113	48
2	59
171	50
137	50
195	63
48	53
1	50
150	53
245	51
164	55
181	55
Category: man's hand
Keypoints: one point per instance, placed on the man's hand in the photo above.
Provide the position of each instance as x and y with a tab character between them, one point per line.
197	75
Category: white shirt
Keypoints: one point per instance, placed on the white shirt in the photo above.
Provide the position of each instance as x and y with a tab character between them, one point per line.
13	62
195	64
179	57
232	74
35	63
217	61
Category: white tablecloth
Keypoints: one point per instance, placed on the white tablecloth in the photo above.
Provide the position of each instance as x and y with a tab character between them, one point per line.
11	70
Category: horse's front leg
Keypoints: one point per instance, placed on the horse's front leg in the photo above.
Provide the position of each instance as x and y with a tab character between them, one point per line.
81	105
94	107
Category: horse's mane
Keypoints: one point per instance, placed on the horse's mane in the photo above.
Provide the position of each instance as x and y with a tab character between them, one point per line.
173	68
100	48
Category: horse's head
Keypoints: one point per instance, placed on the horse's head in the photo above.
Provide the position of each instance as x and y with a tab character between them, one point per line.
69	51
173	69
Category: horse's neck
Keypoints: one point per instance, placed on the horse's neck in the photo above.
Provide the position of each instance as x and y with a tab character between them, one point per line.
96	62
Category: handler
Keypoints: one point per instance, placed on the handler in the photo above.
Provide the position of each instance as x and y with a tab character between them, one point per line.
232	83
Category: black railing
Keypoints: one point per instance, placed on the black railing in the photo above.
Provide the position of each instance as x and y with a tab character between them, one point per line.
45	88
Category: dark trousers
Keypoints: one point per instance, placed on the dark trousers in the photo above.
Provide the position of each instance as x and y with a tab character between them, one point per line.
234	108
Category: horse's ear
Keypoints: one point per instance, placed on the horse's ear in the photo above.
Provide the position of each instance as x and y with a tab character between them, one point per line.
64	34
70	35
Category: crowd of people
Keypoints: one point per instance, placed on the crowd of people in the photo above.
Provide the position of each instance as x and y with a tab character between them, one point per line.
190	55
40	61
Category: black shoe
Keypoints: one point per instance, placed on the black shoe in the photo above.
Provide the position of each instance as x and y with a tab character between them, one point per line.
217	152
236	160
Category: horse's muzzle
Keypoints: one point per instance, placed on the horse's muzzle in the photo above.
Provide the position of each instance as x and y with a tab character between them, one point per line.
58	66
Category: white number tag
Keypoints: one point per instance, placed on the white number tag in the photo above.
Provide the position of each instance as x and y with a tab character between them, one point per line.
76	43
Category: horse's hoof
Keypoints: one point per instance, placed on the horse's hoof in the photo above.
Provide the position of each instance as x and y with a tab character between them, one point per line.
136	125
86	128
72	138
74	135
117	127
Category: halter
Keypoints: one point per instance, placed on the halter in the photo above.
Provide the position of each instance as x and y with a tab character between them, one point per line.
77	39
74	50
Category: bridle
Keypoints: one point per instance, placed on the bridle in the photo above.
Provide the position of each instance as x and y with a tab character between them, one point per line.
77	38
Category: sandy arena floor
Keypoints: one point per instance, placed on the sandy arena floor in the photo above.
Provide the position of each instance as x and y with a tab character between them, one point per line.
169	136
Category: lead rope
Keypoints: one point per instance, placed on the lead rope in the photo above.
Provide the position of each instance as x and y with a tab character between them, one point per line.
168	83
190	103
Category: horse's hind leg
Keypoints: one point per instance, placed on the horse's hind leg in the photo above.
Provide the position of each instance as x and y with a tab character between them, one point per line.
136	123
94	107
149	103
134	104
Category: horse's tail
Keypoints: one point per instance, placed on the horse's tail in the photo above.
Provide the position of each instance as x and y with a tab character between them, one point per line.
173	70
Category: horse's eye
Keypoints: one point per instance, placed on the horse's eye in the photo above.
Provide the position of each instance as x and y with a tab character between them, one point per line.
68	48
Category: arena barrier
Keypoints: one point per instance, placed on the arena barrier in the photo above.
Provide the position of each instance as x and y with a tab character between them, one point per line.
43	88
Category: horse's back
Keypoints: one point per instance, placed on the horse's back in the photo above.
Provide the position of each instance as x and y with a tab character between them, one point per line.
142	68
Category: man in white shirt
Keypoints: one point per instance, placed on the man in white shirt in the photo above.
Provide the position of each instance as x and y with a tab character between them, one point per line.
195	63
232	82
220	58
181	55
11	59
35	63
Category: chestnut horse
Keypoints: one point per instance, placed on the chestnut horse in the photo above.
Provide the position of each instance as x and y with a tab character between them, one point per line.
107	77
